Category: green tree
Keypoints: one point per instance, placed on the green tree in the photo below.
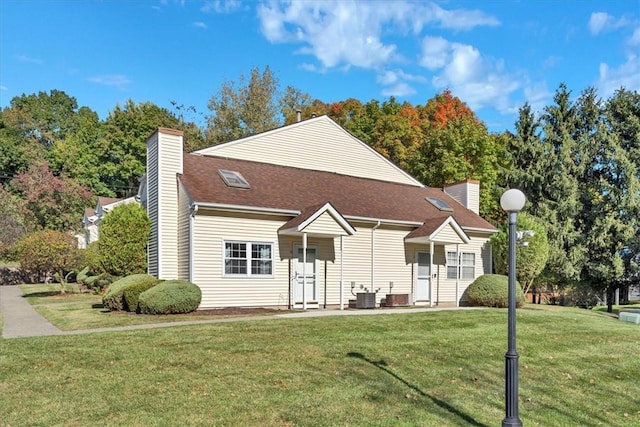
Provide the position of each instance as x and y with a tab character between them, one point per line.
43	117
12	222
122	151
532	252
122	244
49	252
244	109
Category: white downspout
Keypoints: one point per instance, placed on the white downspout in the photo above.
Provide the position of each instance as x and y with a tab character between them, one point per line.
304	271
373	249
192	220
431	275
341	272
458	275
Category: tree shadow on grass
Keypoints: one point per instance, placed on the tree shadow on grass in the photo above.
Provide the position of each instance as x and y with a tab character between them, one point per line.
382	365
45	294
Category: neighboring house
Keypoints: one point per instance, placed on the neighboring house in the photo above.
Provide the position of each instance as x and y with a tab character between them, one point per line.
93	218
305	216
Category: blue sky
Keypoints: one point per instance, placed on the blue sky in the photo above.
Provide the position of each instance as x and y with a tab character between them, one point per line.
494	55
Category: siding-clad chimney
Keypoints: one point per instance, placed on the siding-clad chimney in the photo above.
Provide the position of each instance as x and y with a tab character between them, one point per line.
164	162
467	193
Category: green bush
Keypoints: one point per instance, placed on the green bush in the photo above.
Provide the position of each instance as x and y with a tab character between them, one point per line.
49	252
492	290
132	292
170	297
113	298
82	276
124	234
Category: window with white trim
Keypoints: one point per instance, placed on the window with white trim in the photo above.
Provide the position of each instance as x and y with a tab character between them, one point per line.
467	265
248	259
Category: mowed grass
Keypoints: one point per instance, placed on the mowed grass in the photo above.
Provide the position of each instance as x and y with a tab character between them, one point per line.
577	368
77	311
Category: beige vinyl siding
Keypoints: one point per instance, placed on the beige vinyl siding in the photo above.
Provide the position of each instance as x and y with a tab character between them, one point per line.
324	224
478	245
448	234
170	164
318	144
467	193
211	230
152	204
184	232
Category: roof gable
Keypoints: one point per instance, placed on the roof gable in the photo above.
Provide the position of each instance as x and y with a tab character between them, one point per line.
318	144
438	230
319	220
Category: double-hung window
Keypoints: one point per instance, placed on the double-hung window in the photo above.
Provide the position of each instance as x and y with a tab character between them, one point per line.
467	265
248	259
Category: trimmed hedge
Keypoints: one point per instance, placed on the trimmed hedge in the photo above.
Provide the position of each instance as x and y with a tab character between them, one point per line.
132	292
492	290
113	299
170	297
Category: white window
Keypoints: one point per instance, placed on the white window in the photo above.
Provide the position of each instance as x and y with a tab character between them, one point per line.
248	259
467	265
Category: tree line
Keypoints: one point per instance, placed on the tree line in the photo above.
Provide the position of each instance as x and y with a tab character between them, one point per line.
577	160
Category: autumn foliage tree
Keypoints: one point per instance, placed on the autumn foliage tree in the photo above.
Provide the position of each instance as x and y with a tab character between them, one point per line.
51	202
49	252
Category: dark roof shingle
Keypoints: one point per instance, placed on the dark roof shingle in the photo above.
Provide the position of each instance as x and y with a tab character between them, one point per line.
288	188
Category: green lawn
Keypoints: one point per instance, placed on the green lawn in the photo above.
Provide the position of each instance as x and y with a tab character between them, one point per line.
577	368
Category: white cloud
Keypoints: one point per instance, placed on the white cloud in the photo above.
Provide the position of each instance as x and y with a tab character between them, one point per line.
118	80
3	87
627	75
29	60
399	89
477	80
634	40
397	82
351	33
221	6
602	21
200	24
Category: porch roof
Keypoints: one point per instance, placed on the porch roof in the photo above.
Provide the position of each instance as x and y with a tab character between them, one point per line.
318	220
438	230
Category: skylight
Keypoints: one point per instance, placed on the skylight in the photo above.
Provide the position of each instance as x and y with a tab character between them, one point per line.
233	179
440	204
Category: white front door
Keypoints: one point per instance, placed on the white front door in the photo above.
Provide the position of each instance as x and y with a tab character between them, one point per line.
305	277
423	276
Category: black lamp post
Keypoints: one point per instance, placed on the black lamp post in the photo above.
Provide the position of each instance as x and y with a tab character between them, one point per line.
512	201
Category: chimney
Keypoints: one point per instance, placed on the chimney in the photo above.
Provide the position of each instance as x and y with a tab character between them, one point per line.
467	193
298	116
164	163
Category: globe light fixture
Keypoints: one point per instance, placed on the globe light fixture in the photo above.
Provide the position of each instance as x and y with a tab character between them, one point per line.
512	201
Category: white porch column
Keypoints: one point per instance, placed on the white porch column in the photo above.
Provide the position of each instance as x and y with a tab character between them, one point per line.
458	275
431	274
304	271
341	272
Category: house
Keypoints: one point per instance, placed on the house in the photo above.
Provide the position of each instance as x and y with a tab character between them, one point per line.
93	217
307	216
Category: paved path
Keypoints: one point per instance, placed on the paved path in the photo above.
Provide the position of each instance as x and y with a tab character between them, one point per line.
21	320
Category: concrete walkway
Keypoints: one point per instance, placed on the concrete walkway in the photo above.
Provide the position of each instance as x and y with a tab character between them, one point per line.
21	320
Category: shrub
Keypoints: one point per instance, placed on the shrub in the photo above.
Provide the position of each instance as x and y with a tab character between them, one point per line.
98	284
49	252
82	276
113	299
132	292
172	296
124	234
492	290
